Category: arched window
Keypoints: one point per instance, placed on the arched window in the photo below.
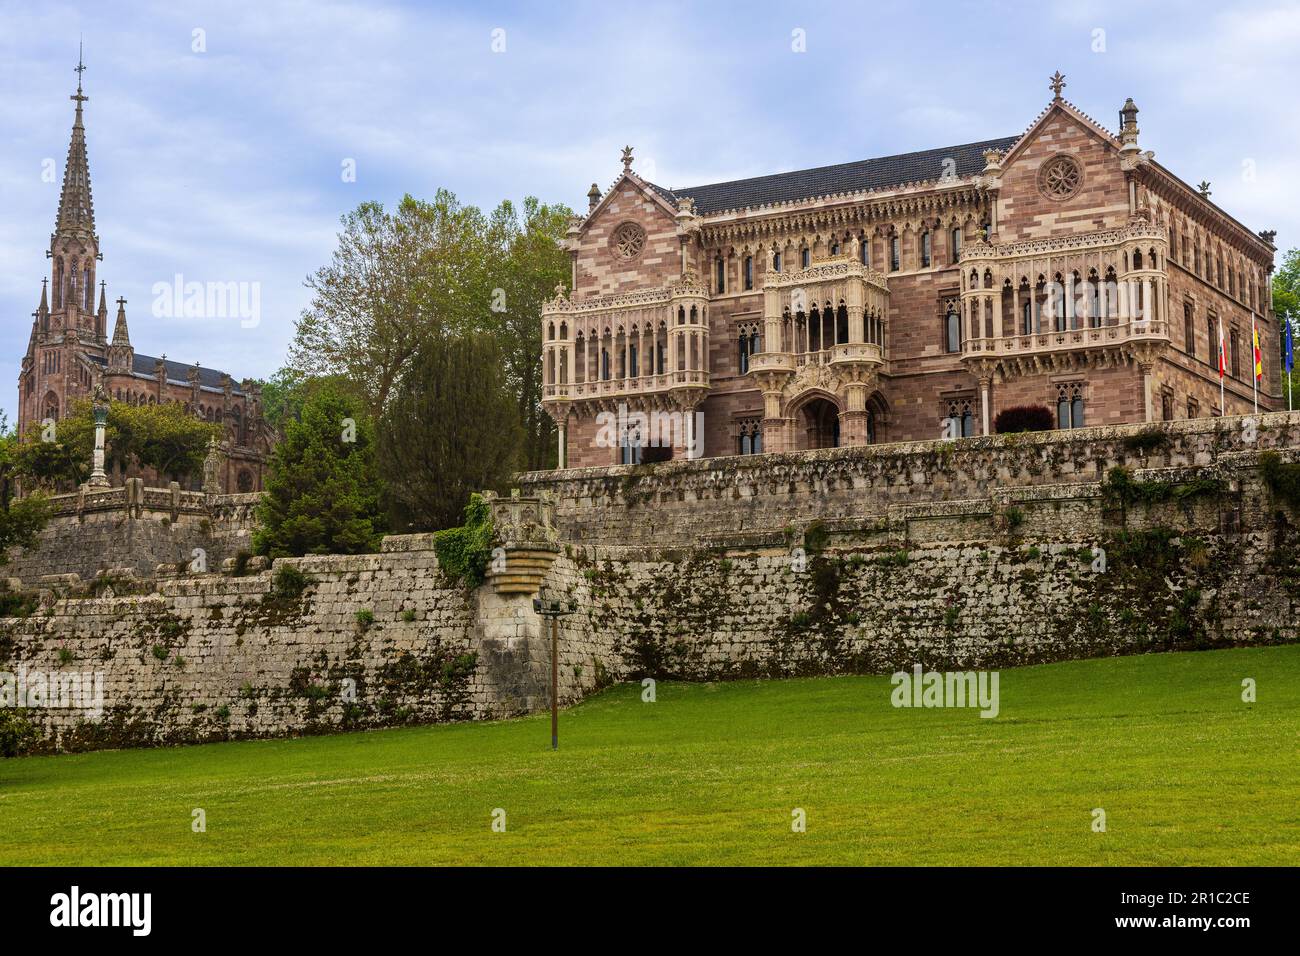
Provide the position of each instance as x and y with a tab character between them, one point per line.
955	244
894	257
776	262
721	270
805	257
925	249
952	329
1069	405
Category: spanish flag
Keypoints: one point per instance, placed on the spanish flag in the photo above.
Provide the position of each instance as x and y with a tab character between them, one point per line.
1259	357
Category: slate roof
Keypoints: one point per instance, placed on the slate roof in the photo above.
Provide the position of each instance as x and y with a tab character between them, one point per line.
179	372
864	174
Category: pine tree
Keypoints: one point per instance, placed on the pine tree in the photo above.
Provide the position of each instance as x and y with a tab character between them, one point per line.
323	490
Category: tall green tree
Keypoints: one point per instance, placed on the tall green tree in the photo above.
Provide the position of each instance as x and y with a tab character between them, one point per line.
531	262
451	428
429	272
1286	305
323	489
395	279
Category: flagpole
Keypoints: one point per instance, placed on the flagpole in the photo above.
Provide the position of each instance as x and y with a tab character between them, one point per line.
1223	406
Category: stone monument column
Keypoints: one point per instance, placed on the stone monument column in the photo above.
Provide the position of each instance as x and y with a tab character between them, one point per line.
98	479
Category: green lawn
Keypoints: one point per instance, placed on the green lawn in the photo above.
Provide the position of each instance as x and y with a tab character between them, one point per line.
1186	772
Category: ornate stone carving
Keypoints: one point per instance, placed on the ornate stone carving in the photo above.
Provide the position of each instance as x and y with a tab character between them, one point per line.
1060	177
628	241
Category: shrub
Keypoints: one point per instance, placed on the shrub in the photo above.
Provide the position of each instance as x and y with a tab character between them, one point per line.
160	652
1024	418
1146	441
241	564
16	732
288	581
1282	479
463	552
365	617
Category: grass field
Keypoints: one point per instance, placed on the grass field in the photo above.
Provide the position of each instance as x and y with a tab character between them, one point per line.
1186	772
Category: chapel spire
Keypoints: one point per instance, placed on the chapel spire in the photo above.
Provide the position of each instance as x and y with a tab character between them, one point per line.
76	207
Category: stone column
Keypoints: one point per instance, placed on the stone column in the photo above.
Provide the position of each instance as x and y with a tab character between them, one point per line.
97	477
1146	390
984	404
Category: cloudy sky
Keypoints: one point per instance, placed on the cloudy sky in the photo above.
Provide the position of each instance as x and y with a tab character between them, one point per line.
220	133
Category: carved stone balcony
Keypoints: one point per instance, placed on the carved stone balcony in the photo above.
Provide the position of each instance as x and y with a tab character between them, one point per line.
764	362
855	353
1119	343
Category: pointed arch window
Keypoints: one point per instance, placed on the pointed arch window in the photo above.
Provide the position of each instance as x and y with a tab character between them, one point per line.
925	249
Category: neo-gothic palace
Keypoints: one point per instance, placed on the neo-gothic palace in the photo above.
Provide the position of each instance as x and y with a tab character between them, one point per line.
69	352
906	298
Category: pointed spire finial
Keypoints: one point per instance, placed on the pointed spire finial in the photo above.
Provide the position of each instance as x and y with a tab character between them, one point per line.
79	69
627	159
1204	189
1057	84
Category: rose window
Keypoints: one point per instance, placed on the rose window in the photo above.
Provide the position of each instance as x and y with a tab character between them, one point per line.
629	240
1061	177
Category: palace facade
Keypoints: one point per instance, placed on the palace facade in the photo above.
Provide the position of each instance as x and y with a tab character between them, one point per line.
69	352
903	298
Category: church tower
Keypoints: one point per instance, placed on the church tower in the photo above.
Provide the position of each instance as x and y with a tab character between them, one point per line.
66	322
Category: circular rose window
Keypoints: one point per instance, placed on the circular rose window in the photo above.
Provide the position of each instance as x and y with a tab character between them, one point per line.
1059	178
628	240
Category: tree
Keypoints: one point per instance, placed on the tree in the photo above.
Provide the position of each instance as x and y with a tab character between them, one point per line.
17	733
322	492
22	519
394	280
1286	305
429	272
165	438
450	429
531	262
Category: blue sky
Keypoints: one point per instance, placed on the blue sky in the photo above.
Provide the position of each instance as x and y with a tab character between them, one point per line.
226	165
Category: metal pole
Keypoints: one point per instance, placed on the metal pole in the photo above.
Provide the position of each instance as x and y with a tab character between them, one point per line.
555	683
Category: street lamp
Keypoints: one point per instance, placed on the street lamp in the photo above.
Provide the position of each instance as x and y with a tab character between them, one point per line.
552	609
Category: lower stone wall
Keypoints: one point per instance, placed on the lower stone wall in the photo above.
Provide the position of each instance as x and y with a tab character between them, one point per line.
1202	553
372	641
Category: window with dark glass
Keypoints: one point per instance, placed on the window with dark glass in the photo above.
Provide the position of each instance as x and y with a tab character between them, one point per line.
722	276
749	272
952	329
925	250
893	254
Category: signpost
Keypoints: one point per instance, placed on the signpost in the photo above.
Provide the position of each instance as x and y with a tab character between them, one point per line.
552	609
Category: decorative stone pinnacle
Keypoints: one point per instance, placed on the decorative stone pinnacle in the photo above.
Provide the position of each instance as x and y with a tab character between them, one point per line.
1057	84
1204	189
627	159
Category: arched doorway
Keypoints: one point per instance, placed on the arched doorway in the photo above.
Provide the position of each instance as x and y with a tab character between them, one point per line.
818	424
